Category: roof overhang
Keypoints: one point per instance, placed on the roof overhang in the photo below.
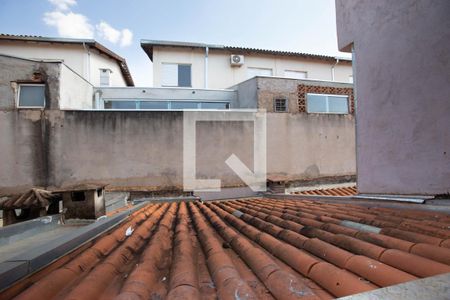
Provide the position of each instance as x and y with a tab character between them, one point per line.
148	46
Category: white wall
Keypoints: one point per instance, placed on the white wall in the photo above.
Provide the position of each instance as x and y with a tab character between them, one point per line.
74	91
97	62
222	75
74	56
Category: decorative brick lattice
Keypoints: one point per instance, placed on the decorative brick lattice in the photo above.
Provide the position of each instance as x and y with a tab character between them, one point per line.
305	89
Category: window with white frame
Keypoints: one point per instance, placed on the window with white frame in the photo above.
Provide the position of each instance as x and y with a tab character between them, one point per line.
328	104
31	96
252	72
105	77
295	74
179	75
280	105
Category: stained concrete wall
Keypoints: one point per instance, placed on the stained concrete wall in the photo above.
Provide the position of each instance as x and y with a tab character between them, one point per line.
402	63
144	148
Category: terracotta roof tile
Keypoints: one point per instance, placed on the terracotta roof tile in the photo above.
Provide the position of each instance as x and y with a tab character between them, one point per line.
254	248
339	191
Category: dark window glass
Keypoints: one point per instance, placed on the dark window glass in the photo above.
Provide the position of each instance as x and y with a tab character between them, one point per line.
215	105
280	105
32	96
184	105
184	75
154	105
78	196
120	105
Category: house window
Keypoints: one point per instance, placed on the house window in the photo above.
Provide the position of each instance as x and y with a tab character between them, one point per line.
280	105
295	74
252	72
105	77
176	75
331	104
31	96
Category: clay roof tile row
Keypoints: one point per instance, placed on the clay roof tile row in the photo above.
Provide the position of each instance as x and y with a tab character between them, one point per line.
250	248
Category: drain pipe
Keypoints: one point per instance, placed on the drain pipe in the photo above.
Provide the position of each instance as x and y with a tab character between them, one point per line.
332	69
206	66
88	63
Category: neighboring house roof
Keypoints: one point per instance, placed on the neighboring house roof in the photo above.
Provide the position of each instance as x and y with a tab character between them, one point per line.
148	46
32	198
254	248
337	191
87	42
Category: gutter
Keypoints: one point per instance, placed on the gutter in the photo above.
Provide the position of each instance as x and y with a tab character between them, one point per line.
88	63
206	66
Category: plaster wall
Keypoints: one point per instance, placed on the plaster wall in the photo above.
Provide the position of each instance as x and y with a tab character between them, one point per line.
222	75
144	148
402	63
75	91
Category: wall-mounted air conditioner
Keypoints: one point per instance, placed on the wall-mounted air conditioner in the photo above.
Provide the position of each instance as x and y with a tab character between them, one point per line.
236	60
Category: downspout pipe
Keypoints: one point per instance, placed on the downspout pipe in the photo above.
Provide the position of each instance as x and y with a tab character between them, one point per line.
88	63
332	69
206	66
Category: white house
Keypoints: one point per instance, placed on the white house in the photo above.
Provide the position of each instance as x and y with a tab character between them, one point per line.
181	64
92	61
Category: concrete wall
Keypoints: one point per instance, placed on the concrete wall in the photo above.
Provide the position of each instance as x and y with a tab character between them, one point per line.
402	76
74	56
222	75
16	70
144	148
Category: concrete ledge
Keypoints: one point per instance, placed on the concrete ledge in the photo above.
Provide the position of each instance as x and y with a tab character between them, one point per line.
436	288
27	263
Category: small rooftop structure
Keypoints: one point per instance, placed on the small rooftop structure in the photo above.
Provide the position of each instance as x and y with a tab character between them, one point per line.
85	201
31	204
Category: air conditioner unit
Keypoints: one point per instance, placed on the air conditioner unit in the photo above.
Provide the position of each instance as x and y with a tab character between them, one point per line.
237	60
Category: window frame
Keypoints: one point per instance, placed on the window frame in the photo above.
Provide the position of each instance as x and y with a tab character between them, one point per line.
327	104
102	71
259	68
285	104
178	74
19	87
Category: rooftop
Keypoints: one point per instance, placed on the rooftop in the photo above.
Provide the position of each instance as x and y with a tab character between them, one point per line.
249	248
148	45
88	42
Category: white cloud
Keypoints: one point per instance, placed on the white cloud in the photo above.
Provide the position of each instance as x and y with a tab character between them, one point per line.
73	25
69	24
115	36
127	38
106	31
63	5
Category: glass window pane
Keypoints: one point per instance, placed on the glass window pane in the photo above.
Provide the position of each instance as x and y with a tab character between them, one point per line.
32	95
121	105
214	105
338	104
154	105
184	75
184	105
316	103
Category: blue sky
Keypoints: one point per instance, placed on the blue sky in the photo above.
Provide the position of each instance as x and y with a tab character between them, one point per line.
294	25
